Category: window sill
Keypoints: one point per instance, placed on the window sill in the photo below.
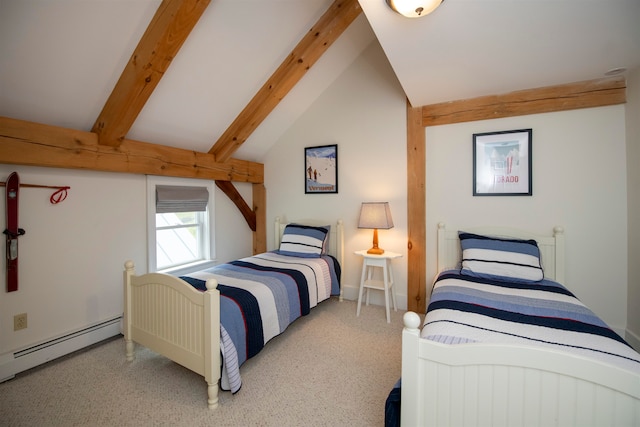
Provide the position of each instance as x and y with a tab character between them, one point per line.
189	268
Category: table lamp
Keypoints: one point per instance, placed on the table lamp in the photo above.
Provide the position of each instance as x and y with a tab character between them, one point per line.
375	215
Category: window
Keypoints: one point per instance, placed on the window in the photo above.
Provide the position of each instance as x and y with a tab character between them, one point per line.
180	239
179	224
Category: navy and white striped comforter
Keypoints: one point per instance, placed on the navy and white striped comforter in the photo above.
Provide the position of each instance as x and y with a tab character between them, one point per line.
259	297
466	309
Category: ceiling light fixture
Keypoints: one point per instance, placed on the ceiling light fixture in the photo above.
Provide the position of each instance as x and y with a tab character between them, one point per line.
414	8
615	71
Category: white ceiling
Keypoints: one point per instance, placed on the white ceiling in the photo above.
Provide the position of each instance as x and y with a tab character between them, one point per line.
59	60
470	48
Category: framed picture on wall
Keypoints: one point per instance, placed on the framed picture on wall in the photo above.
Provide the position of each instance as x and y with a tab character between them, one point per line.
502	163
321	169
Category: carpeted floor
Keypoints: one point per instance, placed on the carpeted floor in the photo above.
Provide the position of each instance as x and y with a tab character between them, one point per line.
330	368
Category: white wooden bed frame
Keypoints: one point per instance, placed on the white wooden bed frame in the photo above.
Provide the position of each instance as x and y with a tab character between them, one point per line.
170	317
509	385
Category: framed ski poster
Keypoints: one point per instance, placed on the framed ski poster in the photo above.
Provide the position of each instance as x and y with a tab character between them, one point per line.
502	163
321	169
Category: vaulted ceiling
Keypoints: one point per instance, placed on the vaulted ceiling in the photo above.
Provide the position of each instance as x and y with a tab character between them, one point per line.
60	60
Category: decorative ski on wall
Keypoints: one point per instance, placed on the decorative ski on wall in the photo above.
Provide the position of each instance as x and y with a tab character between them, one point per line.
12	231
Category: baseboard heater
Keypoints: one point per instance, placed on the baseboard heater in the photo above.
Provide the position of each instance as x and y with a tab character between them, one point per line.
27	358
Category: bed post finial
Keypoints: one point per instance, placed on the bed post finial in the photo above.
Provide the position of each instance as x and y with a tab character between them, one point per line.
411	320
129	265
211	284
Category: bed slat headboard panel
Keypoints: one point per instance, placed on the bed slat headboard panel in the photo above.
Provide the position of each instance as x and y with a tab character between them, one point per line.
551	247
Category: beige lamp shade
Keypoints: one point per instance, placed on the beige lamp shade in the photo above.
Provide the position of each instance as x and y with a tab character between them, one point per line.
375	215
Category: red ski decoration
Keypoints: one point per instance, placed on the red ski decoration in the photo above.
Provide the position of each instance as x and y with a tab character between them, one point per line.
12	231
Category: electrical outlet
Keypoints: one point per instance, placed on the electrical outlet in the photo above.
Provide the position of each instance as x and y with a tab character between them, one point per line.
20	321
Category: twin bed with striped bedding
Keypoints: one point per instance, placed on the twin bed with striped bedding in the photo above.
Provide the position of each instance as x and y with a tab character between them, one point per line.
500	296
467	309
212	321
259	297
504	343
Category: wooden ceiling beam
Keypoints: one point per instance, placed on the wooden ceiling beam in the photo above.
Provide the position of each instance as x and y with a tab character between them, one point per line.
35	144
312	46
586	94
163	38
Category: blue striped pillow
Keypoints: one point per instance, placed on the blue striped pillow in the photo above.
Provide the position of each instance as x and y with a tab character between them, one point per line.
304	240
500	258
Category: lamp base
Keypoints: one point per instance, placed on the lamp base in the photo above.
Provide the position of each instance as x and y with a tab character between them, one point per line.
375	251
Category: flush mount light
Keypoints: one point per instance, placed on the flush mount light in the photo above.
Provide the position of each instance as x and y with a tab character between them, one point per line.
414	8
615	71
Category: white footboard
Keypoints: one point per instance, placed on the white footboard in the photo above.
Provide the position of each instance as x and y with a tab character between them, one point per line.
170	317
477	384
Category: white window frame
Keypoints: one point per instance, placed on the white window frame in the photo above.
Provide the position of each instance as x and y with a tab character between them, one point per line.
209	235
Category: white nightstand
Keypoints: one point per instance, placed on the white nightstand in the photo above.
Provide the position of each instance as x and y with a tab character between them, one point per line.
369	262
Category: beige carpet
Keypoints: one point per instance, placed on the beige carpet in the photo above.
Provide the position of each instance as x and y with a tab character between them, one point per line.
330	368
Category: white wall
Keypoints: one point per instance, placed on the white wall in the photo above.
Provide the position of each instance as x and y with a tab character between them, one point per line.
72	255
579	180
633	160
364	113
579	183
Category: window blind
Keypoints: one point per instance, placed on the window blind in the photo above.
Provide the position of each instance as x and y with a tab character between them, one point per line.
176	198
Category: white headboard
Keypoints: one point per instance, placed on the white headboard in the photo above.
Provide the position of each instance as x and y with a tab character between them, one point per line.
336	235
551	247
